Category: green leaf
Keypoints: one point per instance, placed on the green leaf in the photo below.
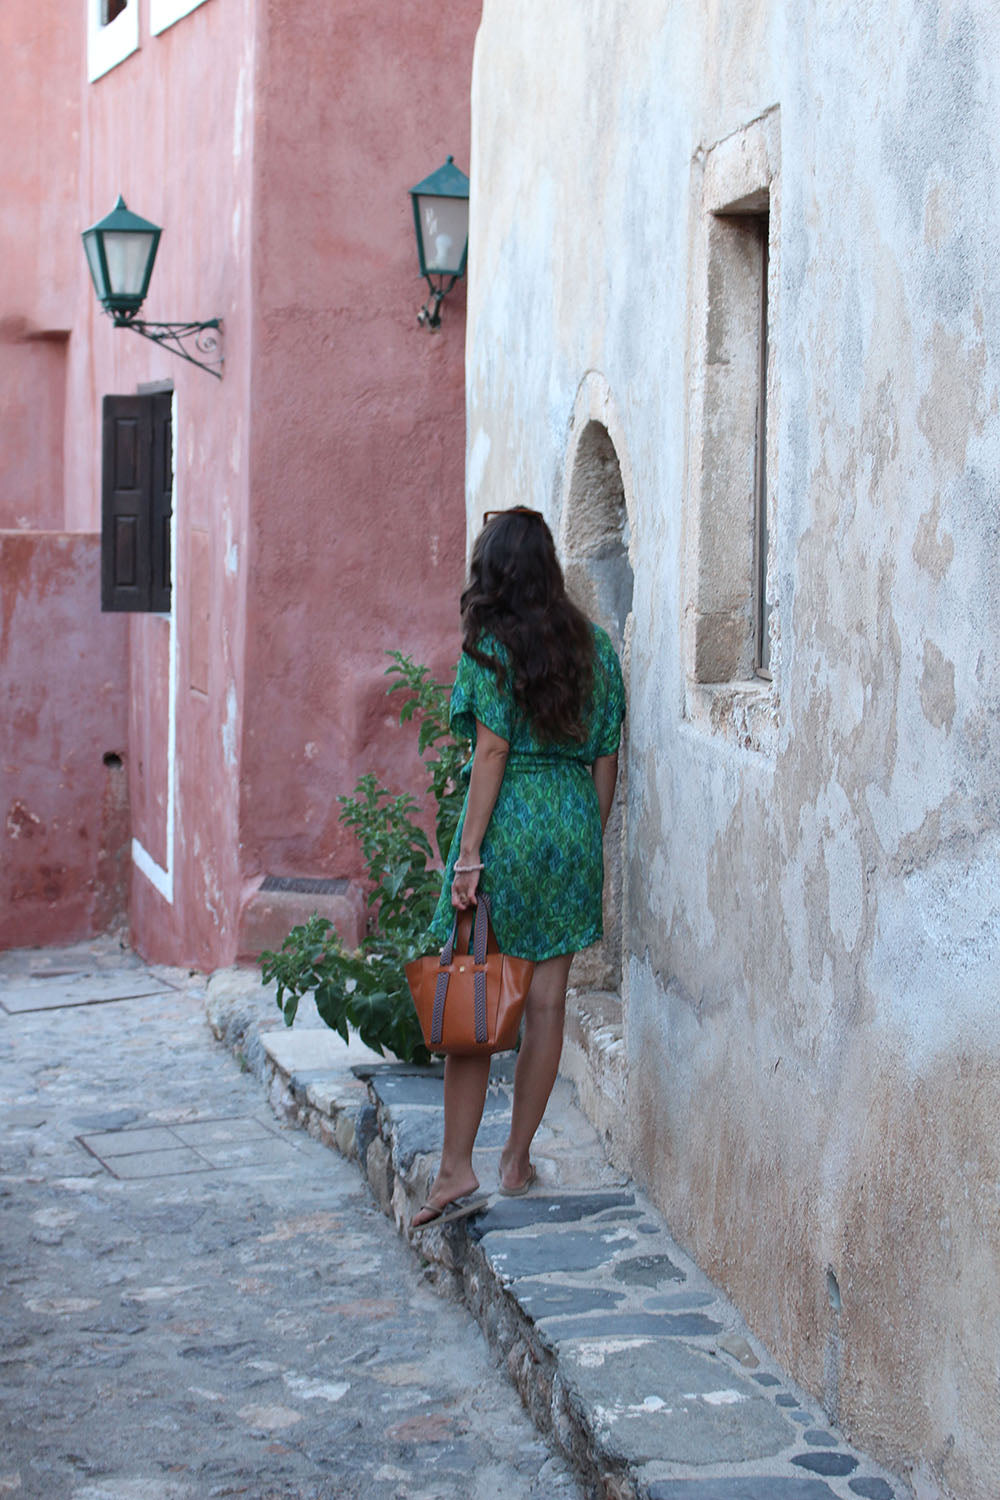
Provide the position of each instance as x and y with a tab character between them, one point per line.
332	1007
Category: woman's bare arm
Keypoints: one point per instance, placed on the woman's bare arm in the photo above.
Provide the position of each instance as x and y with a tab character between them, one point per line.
488	765
605	774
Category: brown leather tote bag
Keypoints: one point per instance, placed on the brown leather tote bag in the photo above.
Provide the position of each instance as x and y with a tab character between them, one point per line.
470	1003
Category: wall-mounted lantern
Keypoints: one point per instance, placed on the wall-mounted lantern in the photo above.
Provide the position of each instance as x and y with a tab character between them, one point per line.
121	249
441	216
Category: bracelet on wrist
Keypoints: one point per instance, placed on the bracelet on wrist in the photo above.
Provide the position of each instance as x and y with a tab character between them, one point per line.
467	869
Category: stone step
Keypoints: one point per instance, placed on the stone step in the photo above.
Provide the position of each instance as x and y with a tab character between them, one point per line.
627	1357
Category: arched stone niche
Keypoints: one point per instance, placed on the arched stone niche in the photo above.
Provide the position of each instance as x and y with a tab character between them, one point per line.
596	537
598	570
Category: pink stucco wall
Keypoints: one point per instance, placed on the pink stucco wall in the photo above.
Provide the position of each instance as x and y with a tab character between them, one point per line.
63	702
39	127
171	129
357	463
318	486
63	739
33	407
41	48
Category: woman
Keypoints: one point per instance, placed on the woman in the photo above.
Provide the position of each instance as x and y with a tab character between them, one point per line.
539	692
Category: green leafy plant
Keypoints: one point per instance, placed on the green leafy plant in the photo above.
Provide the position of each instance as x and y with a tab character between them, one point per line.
366	989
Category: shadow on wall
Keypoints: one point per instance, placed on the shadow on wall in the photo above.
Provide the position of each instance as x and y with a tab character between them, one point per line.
65	841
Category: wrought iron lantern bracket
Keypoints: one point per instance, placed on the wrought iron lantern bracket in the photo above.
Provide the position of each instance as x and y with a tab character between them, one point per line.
181	338
429	315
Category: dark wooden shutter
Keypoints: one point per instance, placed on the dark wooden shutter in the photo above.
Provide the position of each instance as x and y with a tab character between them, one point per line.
135	521
163	486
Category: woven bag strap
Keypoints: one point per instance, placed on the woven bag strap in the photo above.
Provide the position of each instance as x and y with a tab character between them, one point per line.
480	936
481	930
449	948
441	986
480	939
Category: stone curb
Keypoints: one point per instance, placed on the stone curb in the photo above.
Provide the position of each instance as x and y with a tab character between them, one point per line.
298	1072
583	1296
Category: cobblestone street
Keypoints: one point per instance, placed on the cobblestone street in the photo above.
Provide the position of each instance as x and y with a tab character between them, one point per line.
199	1302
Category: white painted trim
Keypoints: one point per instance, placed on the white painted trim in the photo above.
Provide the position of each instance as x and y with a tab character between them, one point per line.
163	879
163	13
107	46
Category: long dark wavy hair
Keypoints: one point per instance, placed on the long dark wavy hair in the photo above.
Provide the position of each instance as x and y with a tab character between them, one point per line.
516	594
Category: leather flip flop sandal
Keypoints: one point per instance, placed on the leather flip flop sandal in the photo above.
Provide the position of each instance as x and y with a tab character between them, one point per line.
457	1208
519	1192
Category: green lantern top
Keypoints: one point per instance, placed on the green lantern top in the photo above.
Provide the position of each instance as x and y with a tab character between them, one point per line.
121	249
441	217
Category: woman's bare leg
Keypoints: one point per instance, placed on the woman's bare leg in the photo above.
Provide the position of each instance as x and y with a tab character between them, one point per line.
537	1065
465	1082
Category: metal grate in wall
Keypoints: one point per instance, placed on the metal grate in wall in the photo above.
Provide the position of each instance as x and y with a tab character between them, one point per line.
304	886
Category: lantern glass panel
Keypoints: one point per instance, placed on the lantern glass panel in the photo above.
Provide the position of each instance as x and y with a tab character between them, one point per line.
90	244
444	225
127	254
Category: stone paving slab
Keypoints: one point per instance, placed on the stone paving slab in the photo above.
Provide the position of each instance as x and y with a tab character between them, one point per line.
128	1142
740	1489
60	993
191	1146
159	1164
642	1373
203	1133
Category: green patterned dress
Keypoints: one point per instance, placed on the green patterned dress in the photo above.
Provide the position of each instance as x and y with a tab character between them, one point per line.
543	850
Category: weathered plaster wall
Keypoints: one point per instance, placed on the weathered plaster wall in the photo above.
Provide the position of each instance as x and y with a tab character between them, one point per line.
32	416
318	486
811	927
357	538
39	125
63	730
171	128
64	839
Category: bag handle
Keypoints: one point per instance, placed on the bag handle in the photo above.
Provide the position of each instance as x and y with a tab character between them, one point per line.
480	943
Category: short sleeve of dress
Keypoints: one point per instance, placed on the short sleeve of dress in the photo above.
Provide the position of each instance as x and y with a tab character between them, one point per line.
477	695
614	697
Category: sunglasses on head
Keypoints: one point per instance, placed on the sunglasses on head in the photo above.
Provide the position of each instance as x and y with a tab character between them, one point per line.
513	510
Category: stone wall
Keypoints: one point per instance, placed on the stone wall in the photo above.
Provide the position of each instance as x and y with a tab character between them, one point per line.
812	864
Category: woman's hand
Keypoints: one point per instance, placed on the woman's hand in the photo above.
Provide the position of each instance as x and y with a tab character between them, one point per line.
464	888
605	774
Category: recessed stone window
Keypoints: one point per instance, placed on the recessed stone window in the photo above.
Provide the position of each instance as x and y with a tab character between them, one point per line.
730	621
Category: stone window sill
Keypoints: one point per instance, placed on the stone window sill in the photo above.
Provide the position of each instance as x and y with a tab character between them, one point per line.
743	714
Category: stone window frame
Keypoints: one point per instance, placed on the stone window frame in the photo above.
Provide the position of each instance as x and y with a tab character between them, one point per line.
110	44
738	178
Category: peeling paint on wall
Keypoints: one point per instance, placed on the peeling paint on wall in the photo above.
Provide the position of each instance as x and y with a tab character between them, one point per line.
229	728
